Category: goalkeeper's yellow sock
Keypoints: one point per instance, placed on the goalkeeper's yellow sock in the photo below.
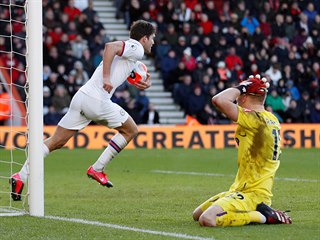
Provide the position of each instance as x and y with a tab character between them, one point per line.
256	217
231	218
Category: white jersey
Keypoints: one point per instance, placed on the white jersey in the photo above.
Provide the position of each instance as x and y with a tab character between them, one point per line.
121	68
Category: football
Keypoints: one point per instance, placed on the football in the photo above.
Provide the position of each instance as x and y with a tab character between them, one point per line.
139	73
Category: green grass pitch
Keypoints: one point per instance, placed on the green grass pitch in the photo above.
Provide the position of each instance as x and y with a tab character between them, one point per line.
150	195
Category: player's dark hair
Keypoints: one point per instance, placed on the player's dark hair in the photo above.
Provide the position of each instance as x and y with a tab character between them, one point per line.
141	28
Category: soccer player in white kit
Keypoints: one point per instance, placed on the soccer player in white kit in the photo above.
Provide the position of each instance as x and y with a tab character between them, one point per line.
93	103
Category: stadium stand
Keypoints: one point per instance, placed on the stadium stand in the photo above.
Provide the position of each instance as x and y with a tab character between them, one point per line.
215	44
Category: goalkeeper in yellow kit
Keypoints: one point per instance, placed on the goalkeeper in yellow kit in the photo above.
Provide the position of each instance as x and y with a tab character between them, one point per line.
258	139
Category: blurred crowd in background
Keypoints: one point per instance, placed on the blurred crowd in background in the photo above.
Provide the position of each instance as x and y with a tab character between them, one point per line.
202	47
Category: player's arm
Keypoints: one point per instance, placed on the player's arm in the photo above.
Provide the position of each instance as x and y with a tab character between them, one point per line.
224	101
111	49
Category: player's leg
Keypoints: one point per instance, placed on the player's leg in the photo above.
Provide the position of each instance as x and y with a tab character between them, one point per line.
209	216
60	137
126	132
205	205
58	140
234	209
113	116
119	141
67	127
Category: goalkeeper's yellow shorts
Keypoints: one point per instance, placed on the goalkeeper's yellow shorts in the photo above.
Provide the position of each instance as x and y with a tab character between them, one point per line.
236	201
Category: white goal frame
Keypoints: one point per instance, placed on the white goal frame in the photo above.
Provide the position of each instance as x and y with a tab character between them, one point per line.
35	106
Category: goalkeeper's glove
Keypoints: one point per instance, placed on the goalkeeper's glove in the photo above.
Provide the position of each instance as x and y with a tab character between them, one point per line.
254	85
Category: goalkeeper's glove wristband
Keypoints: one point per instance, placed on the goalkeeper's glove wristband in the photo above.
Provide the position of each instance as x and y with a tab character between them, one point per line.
242	89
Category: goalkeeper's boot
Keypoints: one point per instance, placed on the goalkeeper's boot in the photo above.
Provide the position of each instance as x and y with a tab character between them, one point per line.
16	187
273	216
100	177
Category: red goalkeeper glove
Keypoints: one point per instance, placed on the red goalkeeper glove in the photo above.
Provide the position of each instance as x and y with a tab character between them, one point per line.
254	85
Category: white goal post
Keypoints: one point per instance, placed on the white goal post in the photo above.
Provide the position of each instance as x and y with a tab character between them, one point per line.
35	106
21	42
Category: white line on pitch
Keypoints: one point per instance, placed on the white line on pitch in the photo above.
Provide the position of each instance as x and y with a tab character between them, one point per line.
228	175
141	230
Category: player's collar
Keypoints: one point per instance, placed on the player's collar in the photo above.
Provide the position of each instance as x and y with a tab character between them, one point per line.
135	41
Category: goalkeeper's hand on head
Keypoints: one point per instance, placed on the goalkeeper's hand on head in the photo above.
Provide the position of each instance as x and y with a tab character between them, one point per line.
254	85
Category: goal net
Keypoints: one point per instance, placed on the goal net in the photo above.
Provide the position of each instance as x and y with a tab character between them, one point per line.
21	103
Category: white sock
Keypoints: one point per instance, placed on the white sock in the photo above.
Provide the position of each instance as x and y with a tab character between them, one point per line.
116	144
24	172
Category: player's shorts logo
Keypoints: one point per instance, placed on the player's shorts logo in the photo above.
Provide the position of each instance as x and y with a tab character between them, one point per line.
242	134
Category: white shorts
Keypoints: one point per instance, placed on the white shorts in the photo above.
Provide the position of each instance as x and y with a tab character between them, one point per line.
84	109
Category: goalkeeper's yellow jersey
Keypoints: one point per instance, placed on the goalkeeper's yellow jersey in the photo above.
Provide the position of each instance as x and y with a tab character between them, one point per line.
258	139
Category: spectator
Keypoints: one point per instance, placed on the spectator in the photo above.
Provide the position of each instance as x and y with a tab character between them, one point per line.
281	88
61	99
151	116
171	34
90	12
141	103
81	76
180	46
86	60
289	27
46	100
275	102
264	25
176	76
78	46
189	60
196	46
306	106
286	99
184	13
232	59
315	112
167	65
71	10
223	73
274	73
52	117
278	28
196	104
293	113
310	12
130	107
206	24
240	9
182	91
250	23
293	90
